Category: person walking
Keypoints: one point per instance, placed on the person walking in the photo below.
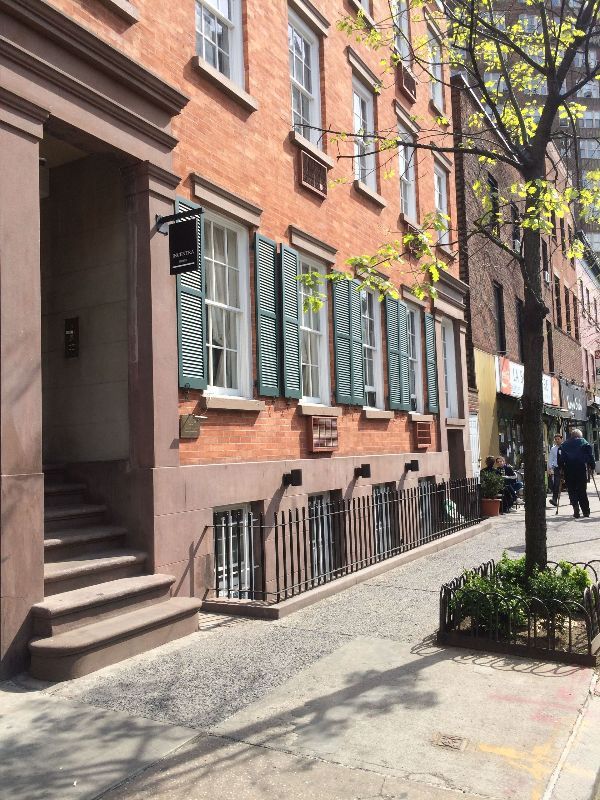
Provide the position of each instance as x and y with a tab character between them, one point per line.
554	469
576	459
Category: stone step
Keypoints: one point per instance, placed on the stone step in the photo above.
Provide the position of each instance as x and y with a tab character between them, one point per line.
61	494
78	652
73	516
82	571
61	545
69	610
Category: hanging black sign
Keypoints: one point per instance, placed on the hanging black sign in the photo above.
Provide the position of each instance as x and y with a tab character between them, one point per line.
574	398
184	245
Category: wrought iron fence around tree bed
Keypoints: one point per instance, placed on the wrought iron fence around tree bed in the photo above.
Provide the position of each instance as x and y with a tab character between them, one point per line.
553	630
306	547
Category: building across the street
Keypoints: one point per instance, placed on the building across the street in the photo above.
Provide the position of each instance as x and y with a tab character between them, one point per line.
496	308
170	408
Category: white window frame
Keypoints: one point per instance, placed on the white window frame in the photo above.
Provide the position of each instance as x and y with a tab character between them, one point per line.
365	162
589	148
236	45
242	586
591	119
436	85
450	371
441	176
314	96
591	90
402	31
415	356
406	171
320	534
322	313
377	386
244	329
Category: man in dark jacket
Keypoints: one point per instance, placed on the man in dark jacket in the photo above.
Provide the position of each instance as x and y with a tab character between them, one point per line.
576	459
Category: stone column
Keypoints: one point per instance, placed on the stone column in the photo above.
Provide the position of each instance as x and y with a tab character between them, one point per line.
460	347
438	316
21	478
153	381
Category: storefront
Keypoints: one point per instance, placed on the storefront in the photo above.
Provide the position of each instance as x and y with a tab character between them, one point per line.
509	387
574	399
592	431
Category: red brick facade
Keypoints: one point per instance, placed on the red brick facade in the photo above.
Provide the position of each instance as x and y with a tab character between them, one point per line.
250	155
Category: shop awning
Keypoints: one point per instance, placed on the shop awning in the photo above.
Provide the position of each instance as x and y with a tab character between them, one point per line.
555	411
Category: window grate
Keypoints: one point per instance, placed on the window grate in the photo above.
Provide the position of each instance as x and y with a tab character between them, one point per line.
313	175
324	434
406	81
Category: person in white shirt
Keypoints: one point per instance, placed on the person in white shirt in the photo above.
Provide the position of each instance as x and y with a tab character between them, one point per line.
554	469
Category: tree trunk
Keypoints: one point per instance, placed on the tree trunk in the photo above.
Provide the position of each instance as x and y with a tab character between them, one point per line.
533	405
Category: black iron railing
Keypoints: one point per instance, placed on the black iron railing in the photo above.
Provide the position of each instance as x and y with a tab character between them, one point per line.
306	547
508	623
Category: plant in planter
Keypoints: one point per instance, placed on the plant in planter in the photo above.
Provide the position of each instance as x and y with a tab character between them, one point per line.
492	486
550	612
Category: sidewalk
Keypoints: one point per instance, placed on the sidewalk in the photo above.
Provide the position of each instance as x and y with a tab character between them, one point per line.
349	698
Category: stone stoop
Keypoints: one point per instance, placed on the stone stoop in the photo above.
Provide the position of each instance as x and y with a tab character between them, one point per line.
99	606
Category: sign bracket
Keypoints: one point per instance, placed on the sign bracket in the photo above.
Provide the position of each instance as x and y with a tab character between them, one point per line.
163	222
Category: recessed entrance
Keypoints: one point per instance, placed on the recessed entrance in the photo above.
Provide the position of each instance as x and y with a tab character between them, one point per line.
84	304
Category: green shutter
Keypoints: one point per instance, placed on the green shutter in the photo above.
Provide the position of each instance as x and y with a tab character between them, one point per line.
397	347
191	318
290	324
267	330
431	365
348	345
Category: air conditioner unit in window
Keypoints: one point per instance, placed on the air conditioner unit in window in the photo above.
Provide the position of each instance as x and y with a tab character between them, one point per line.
406	81
313	174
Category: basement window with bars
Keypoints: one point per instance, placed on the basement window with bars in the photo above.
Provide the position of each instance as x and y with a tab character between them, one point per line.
233	551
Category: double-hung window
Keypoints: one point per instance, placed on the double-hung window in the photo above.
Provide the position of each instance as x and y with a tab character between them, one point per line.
234	562
591	89
303	46
225	257
415	374
402	30
371	332
219	36
440	185
449	358
437	71
313	344
364	154
406	169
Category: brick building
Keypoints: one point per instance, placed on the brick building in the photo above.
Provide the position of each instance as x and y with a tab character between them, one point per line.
494	330
179	404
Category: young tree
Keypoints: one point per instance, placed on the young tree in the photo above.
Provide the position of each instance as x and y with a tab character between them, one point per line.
527	62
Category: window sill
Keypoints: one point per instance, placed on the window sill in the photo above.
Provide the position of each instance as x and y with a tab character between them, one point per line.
456	422
314	410
377	413
438	111
124	9
367	17
445	250
363	189
416	416
218	402
311	149
225	84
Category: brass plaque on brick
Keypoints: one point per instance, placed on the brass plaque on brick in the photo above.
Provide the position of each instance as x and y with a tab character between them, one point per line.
189	426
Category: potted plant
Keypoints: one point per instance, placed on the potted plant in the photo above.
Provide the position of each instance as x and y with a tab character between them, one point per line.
492	486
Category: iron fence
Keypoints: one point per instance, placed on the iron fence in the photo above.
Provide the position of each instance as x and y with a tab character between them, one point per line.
508	623
303	548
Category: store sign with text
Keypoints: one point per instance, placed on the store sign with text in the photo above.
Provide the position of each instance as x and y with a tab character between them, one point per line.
510	378
574	399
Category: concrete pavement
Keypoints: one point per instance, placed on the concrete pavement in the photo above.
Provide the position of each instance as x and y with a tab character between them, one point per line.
345	699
